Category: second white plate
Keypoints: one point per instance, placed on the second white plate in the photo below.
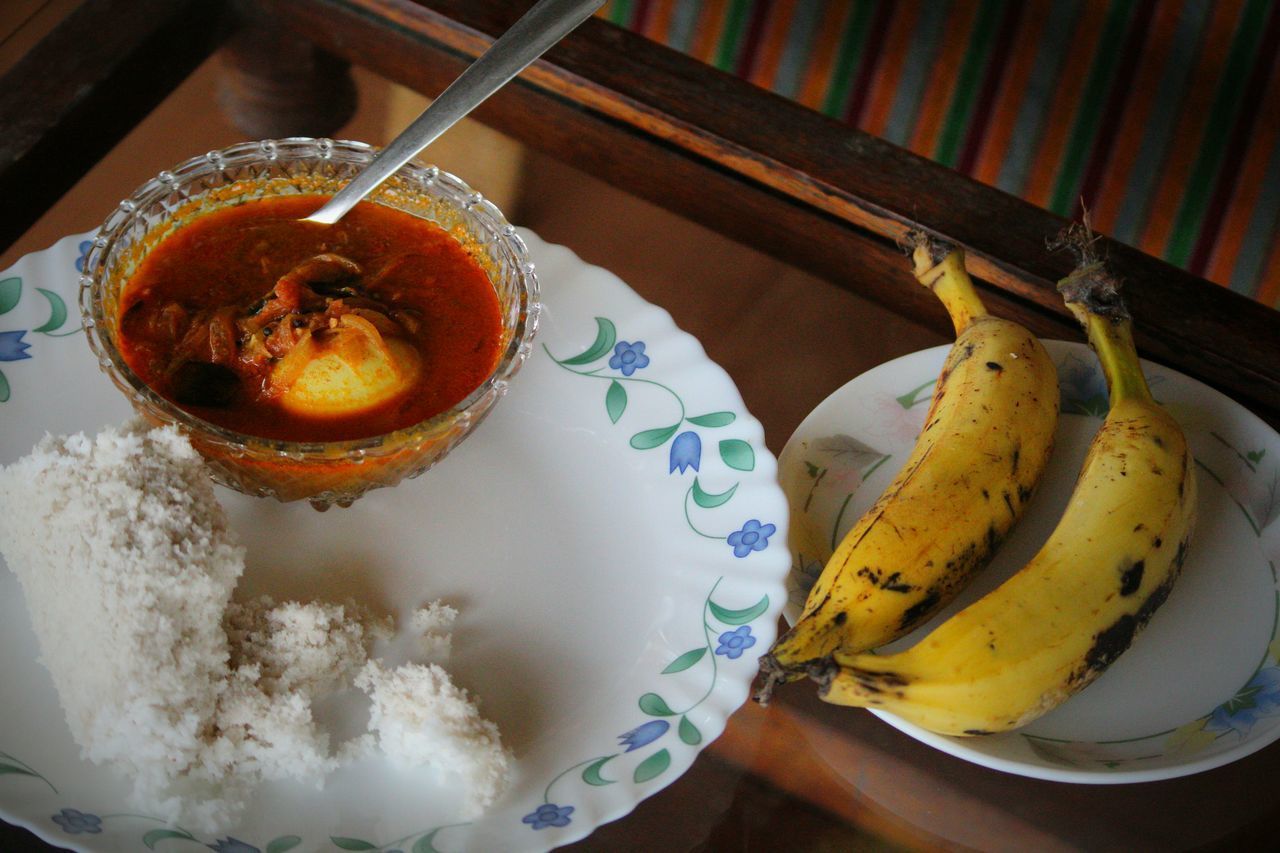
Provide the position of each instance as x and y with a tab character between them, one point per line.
1200	687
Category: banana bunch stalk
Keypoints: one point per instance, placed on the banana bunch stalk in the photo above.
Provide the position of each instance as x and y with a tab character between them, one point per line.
985	442
1058	622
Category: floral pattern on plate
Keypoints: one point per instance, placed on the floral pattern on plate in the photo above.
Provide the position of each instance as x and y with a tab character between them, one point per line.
13	343
671	432
725	632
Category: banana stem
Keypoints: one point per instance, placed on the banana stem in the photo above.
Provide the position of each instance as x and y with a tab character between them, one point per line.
949	280
1092	293
1112	340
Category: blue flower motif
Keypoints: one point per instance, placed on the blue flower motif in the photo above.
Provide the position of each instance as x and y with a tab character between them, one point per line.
232	845
12	347
686	452
548	814
74	821
1258	699
643	735
628	357
734	643
753	536
85	246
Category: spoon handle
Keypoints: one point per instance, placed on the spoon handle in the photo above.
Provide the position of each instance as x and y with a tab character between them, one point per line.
541	27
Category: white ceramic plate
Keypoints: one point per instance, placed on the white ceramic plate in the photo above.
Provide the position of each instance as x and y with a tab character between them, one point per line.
1200	687
613	535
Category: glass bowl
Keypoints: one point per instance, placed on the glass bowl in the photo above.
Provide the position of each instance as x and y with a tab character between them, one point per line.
323	473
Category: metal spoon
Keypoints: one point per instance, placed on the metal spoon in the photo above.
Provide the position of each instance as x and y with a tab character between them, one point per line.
541	27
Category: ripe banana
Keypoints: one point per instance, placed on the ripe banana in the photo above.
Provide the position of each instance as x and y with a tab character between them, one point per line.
1056	624
985	442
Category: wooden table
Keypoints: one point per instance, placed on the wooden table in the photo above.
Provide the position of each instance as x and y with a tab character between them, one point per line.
762	178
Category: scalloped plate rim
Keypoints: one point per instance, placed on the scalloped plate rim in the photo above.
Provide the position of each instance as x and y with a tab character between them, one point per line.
928	361
759	492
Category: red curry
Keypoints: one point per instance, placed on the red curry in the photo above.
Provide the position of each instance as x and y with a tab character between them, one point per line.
250	318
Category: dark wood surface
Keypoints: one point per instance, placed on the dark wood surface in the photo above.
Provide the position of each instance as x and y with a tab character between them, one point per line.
776	179
777	176
704	144
84	86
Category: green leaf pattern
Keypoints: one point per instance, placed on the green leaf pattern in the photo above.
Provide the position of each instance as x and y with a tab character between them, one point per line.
57	312
606	334
736	454
714	419
689	732
739	617
615	401
653	704
16	345
706	500
12	765
716	642
594	775
155	836
283	843
652	767
685	660
651	438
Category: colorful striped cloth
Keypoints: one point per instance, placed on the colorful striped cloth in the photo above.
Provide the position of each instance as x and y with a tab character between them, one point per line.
1161	117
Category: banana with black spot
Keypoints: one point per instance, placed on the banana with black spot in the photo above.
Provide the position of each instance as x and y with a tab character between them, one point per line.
1056	624
985	442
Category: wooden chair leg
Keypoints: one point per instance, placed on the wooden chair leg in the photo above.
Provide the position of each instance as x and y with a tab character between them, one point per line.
274	83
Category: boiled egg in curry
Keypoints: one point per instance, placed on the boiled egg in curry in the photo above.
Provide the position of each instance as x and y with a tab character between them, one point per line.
347	368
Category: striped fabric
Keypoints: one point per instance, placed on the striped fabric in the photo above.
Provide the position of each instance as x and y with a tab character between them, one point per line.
1162	117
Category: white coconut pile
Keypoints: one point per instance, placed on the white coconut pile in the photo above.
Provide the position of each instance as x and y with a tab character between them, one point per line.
128	568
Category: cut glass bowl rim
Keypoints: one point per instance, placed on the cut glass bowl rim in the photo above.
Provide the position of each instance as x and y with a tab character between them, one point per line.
303	149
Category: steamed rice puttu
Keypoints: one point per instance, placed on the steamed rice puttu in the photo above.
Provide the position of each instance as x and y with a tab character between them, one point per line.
128	565
423	719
